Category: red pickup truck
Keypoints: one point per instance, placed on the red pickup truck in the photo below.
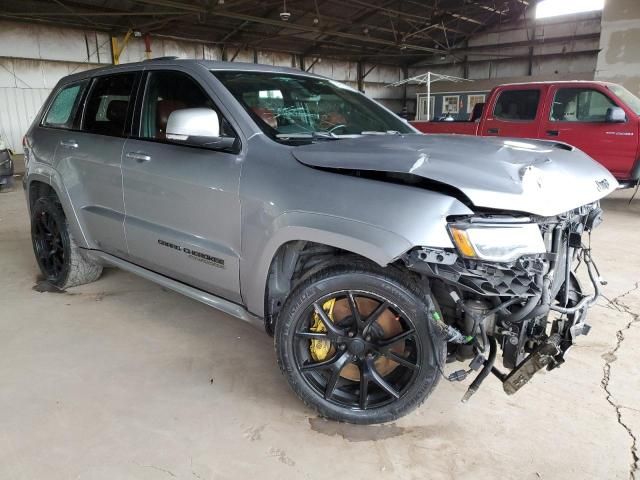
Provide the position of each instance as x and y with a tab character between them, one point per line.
600	118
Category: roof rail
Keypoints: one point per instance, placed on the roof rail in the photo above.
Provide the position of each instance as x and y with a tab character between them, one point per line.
173	57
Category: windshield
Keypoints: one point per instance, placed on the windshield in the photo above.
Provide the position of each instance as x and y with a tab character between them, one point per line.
291	108
627	97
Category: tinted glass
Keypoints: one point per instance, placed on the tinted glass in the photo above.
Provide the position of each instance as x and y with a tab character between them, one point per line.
108	104
580	105
167	92
64	106
286	105
517	105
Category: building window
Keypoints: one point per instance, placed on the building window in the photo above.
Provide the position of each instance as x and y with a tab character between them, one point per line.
472	100
450	103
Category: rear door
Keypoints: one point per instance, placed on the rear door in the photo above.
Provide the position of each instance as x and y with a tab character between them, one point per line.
182	201
89	161
577	116
514	112
61	117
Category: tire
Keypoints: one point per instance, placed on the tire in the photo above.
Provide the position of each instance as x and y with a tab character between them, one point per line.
61	261
359	359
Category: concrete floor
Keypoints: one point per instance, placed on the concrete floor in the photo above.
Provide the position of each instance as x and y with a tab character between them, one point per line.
121	379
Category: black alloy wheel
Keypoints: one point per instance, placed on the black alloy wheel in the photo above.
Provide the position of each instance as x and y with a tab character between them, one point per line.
50	241
353	342
372	359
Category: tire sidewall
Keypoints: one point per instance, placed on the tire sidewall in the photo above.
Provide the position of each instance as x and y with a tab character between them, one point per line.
51	207
416	307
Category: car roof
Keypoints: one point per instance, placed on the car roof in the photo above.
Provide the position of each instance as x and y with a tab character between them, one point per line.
556	82
175	61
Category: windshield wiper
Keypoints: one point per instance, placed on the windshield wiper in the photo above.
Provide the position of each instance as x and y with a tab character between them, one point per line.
312	135
386	132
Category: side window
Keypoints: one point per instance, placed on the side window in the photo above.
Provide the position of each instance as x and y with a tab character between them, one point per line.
62	111
167	92
580	105
108	104
519	105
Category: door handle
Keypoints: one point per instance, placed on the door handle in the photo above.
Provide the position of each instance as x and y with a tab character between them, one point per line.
552	133
69	143
493	131
140	157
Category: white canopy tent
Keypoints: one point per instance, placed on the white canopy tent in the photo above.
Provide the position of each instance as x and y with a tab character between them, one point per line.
427	79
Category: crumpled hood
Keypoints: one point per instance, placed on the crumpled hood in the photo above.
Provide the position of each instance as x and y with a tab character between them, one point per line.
536	177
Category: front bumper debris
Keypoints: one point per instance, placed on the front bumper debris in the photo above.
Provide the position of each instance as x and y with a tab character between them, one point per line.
532	308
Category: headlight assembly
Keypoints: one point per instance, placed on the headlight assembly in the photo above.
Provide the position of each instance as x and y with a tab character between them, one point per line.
497	242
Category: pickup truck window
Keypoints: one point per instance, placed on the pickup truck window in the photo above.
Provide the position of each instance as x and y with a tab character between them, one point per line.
627	97
519	105
289	106
579	105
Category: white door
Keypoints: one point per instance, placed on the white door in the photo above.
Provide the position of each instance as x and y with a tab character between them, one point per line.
423	108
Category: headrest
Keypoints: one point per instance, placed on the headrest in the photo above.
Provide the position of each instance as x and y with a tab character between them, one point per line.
117	111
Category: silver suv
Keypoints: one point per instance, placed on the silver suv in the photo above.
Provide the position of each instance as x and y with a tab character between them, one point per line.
374	254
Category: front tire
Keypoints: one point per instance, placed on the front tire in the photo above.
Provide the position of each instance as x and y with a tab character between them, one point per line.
61	261
354	343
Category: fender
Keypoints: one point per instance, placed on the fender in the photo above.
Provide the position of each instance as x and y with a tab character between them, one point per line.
369	241
49	176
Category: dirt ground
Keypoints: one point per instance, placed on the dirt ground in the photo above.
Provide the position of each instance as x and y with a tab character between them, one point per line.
122	379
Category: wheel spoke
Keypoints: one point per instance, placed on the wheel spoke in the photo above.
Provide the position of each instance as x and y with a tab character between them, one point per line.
329	325
401	336
364	385
336	368
375	315
399	359
48	223
382	383
324	364
313	335
354	308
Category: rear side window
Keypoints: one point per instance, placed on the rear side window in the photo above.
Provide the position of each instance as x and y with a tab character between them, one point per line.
518	105
580	105
108	104
62	111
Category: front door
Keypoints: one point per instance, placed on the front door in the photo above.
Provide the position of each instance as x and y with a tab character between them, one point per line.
182	202
514	113
578	117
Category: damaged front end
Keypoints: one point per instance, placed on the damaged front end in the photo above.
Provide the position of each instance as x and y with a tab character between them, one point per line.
511	282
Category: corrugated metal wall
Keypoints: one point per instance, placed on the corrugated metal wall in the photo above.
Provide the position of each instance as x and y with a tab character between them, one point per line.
18	108
33	57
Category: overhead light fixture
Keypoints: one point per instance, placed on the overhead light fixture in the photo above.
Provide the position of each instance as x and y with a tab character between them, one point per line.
284	14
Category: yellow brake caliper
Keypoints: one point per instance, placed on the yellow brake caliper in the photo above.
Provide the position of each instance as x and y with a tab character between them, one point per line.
318	348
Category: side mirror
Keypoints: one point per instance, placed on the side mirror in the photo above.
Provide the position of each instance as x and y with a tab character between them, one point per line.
197	126
615	115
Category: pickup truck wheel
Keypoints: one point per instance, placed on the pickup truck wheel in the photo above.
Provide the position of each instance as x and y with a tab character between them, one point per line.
60	259
353	342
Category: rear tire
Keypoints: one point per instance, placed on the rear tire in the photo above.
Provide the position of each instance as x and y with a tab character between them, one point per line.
355	372
61	261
